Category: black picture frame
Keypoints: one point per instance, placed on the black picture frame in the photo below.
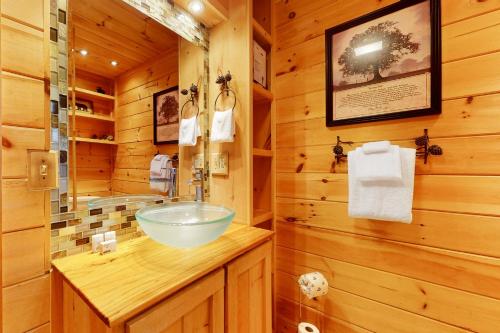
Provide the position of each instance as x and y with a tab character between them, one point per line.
158	139
435	64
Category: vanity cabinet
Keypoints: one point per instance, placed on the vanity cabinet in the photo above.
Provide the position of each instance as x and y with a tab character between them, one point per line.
231	292
249	292
198	308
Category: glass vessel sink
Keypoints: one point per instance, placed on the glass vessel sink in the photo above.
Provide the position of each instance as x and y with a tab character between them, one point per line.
184	224
123	200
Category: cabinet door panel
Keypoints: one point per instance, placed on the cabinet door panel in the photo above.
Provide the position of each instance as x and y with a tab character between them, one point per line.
248	302
199	308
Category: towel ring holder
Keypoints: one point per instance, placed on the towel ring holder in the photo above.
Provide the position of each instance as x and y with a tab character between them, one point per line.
186	103
227	91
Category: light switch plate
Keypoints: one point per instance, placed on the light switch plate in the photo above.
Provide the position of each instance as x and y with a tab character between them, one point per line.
219	164
43	170
198	161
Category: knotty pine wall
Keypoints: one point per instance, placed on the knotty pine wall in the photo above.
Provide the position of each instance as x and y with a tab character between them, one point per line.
134	122
442	272
24	36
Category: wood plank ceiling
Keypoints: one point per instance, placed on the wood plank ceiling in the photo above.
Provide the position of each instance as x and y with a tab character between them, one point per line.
112	30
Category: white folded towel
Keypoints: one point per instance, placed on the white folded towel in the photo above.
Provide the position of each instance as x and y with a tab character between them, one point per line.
376	147
381	166
159	173
382	200
189	131
222	126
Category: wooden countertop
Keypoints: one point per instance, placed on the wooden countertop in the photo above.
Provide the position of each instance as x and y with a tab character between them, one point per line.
142	272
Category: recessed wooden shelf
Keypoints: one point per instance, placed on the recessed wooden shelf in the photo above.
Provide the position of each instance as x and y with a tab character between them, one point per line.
261	215
261	94
92	116
258	152
80	92
102	141
261	36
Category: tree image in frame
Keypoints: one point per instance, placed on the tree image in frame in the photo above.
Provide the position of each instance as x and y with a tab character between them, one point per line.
395	45
169	110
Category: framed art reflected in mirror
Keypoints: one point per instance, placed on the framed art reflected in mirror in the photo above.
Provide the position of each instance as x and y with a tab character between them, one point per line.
166	116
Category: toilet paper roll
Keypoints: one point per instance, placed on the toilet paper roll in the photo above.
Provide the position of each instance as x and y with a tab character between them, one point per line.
307	328
313	284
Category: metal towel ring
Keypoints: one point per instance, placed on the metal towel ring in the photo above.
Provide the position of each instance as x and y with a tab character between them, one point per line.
225	90
188	101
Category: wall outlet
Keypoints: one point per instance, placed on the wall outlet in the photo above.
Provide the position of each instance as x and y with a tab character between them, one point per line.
219	164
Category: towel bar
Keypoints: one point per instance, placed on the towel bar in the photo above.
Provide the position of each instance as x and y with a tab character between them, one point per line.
422	142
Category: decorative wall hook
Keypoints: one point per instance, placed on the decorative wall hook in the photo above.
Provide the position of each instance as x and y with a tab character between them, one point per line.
338	150
193	90
223	81
424	149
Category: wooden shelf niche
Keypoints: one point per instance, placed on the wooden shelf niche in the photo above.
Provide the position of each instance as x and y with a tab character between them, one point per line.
94	155
263	128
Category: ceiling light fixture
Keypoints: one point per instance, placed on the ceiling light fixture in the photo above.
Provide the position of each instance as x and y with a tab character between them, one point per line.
195	6
114	63
84	52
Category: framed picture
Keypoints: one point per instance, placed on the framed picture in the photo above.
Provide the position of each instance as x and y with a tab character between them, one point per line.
166	116
385	65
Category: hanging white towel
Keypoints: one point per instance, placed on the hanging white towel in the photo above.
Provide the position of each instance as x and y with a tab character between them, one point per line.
189	131
222	126
376	147
382	200
159	173
380	166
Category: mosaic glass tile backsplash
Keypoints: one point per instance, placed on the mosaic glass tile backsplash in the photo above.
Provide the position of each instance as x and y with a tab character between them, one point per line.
71	233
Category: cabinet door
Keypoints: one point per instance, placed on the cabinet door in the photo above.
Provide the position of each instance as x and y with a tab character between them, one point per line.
198	308
248	301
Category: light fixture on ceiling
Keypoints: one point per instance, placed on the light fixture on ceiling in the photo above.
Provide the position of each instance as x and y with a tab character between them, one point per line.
114	63
84	52
195	6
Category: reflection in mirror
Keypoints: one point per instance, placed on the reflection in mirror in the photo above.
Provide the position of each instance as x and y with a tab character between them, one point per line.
125	76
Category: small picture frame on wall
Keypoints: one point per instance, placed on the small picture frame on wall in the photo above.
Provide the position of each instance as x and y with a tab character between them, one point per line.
385	65
166	116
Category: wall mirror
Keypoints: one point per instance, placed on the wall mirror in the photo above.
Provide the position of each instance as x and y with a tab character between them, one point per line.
112	63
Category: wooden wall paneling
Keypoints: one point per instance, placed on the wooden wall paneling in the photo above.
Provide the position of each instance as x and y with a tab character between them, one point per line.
451	231
24	255
460	117
364	312
22	49
25	125
289	316
26	305
463	194
467	155
234	190
451	215
16	217
417	296
421	262
134	120
28	12
26	94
